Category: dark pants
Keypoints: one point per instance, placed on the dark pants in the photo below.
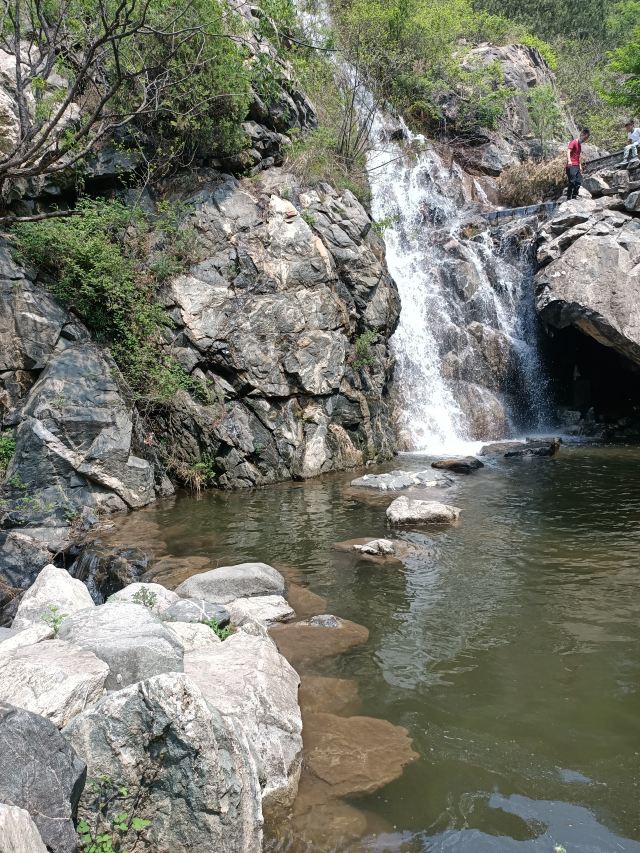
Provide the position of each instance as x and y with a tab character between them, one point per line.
574	177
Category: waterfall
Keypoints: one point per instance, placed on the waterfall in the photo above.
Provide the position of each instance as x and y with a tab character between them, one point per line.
468	368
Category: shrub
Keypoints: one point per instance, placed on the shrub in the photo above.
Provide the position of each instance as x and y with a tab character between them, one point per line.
222	633
363	348
532	182
7	449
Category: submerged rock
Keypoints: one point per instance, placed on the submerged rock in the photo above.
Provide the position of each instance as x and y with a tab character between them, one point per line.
355	755
406	511
462	465
129	638
305	602
52	678
18	833
195	773
53	588
230	582
323	694
312	640
251	684
41	773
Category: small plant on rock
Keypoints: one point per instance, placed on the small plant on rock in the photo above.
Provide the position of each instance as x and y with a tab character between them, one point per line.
54	617
363	348
220	632
145	597
7	449
112	821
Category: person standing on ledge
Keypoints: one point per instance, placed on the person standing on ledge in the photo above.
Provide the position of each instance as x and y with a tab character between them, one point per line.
574	158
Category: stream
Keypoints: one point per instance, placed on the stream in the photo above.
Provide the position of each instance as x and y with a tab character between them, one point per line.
507	646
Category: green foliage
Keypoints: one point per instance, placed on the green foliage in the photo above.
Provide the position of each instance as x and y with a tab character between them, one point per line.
552	18
308	217
54	617
545	50
380	225
364	356
111	819
145	597
545	114
624	66
222	633
96	264
7	449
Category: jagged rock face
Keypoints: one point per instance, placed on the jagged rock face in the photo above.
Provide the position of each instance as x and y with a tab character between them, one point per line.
271	315
523	68
591	276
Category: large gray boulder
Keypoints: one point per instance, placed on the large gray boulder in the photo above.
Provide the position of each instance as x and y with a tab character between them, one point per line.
195	610
591	278
251	684
41	773
204	793
52	678
129	638
18	833
54	591
407	511
227	583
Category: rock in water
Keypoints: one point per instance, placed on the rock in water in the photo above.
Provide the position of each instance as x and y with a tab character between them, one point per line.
53	588
53	679
229	582
396	480
498	448
405	511
355	755
249	682
198	781
535	447
319	637
462	465
40	772
377	548
18	833
129	638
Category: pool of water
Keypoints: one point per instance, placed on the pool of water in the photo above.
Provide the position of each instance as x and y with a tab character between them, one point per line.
508	646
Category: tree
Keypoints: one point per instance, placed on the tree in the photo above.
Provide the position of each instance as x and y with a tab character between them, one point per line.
86	68
545	114
624	67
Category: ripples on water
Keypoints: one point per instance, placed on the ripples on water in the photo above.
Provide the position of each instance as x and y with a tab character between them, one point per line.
509	648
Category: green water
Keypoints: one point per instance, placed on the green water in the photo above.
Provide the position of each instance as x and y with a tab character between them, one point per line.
509	647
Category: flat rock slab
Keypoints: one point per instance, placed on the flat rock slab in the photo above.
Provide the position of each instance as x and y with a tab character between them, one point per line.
129	638
18	833
196	610
535	447
52	588
230	582
459	465
52	678
321	694
193	636
41	773
355	755
397	480
205	794
499	448
308	641
250	683
406	511
305	602
264	609
13	640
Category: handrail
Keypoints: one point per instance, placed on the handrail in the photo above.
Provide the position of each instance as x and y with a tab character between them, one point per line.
513	212
591	166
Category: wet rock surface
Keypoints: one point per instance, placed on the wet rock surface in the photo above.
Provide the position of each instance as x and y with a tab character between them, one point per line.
395	481
311	640
407	511
459	465
41	773
535	447
328	695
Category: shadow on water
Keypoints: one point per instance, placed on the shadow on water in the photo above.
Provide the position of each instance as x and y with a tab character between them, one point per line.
508	647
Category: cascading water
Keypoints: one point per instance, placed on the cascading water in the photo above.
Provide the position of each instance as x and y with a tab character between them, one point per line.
467	358
468	366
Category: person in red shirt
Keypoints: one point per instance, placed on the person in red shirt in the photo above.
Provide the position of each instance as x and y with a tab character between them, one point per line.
574	158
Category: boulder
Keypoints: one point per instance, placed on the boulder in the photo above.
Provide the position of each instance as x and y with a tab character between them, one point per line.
52	678
462	465
191	772
265	609
377	548
129	638
18	833
250	683
53	588
406	511
154	596
230	582
593	283
355	755
13	640
21	558
323	694
196	610
41	773
499	448
193	636
535	447
316	638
